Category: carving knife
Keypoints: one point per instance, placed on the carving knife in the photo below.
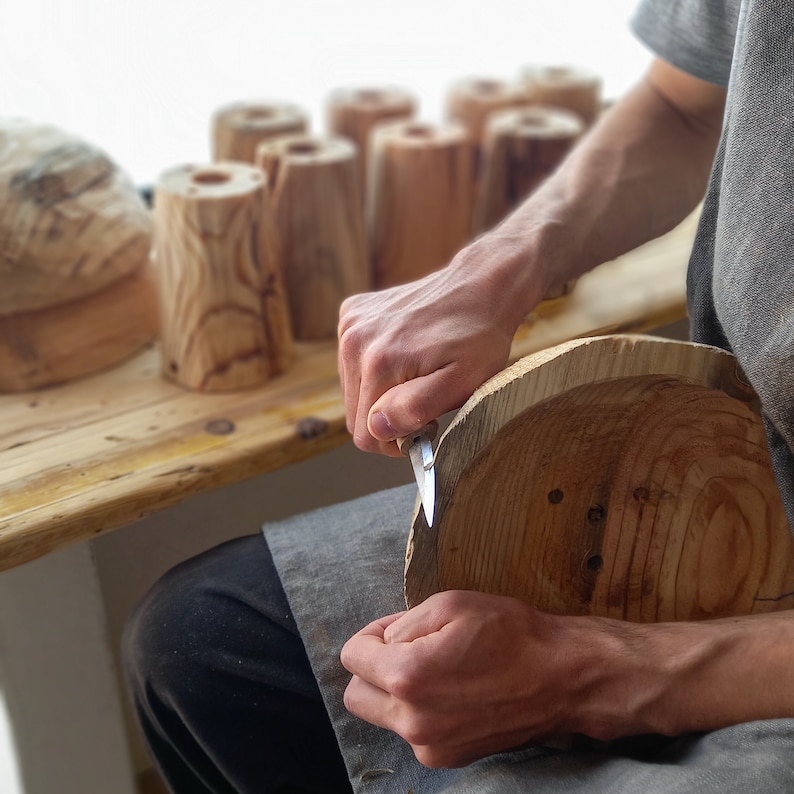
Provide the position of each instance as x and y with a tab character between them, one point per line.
419	448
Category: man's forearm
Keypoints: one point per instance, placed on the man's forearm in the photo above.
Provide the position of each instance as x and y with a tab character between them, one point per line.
680	677
637	173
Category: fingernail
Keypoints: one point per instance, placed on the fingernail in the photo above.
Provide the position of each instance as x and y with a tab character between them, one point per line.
380	428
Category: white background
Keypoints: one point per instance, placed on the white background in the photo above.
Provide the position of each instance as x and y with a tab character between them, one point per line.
141	78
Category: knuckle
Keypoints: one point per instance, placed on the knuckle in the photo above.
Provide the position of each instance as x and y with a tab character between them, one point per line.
406	685
434	757
350	340
376	360
416	730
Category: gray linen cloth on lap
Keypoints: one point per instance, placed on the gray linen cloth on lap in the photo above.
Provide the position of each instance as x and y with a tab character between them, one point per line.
342	567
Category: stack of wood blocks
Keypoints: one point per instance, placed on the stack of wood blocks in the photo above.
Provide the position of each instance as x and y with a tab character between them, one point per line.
381	198
260	246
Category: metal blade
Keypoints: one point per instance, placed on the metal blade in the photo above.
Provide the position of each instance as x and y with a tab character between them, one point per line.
421	454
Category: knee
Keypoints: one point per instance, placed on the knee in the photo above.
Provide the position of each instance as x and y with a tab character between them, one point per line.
159	636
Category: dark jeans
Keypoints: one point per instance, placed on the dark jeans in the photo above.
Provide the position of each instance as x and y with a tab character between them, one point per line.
221	684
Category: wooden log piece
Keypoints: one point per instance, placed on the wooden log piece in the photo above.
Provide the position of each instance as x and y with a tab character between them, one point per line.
627	477
238	128
422	184
71	223
320	225
568	87
521	149
225	321
60	343
471	102
354	112
75	238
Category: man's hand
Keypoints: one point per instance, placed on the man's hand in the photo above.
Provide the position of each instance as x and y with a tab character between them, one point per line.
464	675
411	353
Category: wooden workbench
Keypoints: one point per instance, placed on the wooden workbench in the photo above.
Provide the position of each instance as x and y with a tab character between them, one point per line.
99	453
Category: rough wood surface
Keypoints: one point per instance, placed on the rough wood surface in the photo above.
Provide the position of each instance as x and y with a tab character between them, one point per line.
320	225
354	113
104	451
224	317
58	344
620	476
71	223
422	199
521	148
238	128
568	87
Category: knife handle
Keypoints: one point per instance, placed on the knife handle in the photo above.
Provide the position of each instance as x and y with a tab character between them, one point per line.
429	431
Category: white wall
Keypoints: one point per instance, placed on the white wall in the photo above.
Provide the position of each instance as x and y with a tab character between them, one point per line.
141	78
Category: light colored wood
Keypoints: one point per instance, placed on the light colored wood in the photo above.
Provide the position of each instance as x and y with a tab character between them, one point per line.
58	344
225	323
99	453
354	112
521	148
420	215
74	248
621	476
71	223
320	225
473	100
238	128
568	87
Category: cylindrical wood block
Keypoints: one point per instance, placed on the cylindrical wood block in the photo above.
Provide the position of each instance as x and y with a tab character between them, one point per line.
471	101
237	129
225	321
521	148
354	112
320	224
567	87
420	215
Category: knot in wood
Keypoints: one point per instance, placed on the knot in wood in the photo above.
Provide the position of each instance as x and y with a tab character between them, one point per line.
220	427
311	427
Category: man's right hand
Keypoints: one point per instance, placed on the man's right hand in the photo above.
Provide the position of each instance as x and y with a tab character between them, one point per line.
411	353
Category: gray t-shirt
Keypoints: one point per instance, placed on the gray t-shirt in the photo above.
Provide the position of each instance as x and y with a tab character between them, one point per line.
742	265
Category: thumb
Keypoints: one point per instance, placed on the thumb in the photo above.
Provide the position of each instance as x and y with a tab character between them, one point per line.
409	406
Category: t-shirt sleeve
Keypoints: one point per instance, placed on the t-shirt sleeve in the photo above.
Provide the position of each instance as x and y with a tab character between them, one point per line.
697	36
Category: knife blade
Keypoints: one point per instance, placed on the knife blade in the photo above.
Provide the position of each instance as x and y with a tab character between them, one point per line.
419	448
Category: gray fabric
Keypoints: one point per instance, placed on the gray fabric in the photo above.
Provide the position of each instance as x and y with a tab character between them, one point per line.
740	273
695	36
342	567
742	267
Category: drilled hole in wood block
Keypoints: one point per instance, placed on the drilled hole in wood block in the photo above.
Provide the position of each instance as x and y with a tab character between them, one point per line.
534	119
303	147
211	177
418	131
370	95
486	86
259	114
